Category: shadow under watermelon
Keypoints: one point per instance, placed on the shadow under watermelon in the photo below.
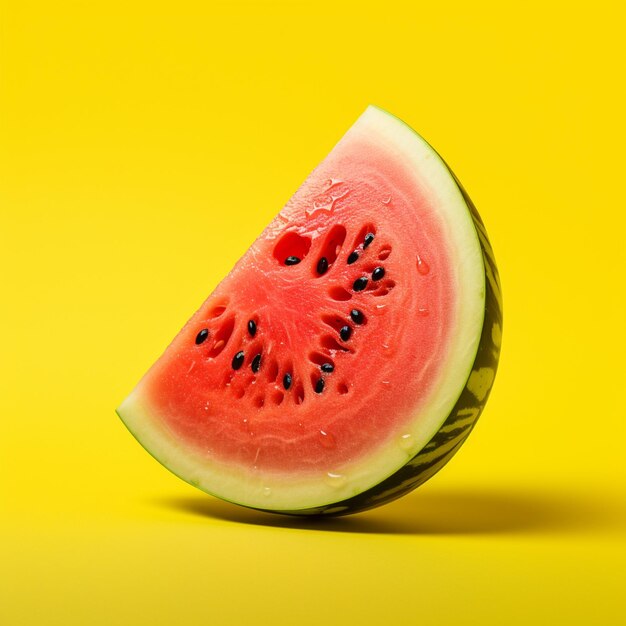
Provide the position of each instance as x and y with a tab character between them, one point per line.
433	512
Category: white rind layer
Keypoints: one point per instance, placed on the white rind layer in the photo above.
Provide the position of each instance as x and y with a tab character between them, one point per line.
269	490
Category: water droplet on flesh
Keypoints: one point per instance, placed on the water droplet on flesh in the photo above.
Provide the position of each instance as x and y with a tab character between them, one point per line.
327	440
333	182
422	267
326	203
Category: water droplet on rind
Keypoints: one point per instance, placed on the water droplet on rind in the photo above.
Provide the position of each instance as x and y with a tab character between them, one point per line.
334	479
406	441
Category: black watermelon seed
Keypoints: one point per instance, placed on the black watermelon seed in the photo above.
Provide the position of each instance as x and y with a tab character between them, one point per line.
360	284
237	360
353	257
322	265
256	363
319	385
252	328
356	316
202	336
368	240
287	381
345	333
327	367
378	273
292	260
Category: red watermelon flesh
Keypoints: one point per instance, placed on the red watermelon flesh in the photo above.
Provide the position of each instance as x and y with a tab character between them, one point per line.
338	345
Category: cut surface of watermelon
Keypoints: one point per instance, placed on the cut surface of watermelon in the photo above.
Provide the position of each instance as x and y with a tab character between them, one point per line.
348	353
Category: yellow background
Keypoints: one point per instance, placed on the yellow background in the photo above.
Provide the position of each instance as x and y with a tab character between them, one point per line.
145	145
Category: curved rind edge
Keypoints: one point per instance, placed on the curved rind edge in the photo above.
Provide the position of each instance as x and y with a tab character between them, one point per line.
461	420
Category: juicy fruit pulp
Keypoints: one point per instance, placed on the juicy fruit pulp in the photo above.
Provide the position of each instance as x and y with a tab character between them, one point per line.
348	353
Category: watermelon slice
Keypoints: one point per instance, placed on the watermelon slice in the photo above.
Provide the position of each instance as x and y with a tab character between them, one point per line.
349	352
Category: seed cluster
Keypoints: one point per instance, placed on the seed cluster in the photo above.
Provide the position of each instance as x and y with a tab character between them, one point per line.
344	327
356	316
